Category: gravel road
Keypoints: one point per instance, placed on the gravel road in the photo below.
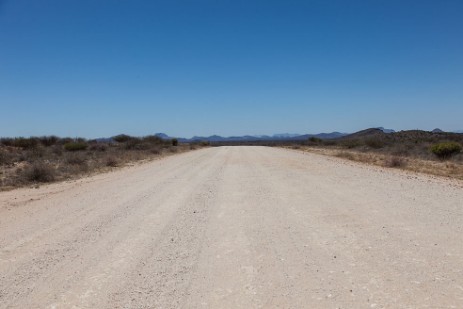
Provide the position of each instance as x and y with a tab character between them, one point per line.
235	227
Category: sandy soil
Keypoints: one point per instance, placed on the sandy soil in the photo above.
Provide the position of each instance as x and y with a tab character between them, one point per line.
235	227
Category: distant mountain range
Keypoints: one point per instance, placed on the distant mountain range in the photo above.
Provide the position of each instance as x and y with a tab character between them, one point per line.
251	138
274	137
279	137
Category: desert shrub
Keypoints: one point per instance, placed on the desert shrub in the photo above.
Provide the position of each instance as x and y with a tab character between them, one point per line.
329	142
112	162
351	143
39	173
374	143
22	157
48	141
153	139
395	161
98	147
204	143
401	150
156	150
173	149
35	153
315	140
57	150
136	144
25	143
5	157
174	142
446	149
122	138
65	140
6	141
193	147
75	146
76	159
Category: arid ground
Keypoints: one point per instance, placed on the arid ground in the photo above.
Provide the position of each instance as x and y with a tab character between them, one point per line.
235	227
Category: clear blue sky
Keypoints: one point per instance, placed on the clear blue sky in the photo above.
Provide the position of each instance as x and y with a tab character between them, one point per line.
98	68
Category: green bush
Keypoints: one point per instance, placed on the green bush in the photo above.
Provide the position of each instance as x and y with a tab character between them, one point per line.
174	142
446	150
75	146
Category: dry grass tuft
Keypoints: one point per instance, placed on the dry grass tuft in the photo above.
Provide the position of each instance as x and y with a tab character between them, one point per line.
395	161
345	155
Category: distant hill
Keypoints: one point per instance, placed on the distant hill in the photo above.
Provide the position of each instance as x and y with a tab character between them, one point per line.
372	132
409	136
162	135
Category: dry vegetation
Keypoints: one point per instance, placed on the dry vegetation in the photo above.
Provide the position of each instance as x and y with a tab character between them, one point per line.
436	153
30	161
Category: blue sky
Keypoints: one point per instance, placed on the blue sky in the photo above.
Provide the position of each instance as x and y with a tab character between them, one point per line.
98	68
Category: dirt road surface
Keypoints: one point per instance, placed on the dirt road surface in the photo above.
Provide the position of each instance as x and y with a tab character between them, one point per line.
235	227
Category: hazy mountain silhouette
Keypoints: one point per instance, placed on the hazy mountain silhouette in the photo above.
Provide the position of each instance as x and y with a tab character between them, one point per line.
275	137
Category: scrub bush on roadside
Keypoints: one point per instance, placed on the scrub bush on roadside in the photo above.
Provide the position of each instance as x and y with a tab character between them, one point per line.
112	162
75	146
39	172
395	161
446	149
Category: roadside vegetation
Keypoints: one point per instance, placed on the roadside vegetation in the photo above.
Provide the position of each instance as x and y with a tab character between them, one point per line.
35	160
437	153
